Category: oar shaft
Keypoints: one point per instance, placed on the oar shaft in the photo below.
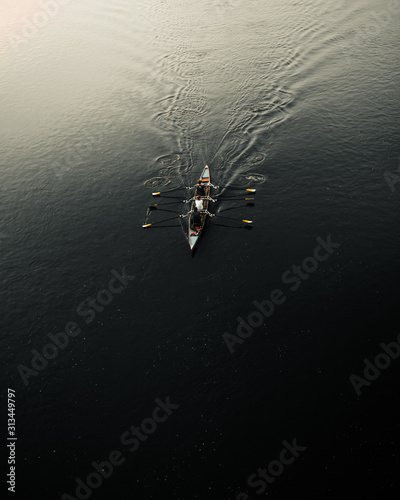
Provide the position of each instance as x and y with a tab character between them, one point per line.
234	208
235	199
160	221
169	203
165	196
163	210
233	196
251	190
170	190
231	218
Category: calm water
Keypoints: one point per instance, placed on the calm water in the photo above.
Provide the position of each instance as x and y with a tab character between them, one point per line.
103	102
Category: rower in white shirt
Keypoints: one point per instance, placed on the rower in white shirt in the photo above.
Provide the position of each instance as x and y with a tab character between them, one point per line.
199	203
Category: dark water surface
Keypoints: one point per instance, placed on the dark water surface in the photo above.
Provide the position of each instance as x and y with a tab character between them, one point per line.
103	102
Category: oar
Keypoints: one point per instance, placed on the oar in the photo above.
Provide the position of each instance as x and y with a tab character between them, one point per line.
154	207
232	196
164	220
170	225
231	218
251	190
159	193
235	199
232	227
169	203
233	208
175	189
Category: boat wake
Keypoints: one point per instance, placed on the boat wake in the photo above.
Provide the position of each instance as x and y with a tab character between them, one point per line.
250	128
260	107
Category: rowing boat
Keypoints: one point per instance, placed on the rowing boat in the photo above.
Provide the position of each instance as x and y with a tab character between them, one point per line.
194	232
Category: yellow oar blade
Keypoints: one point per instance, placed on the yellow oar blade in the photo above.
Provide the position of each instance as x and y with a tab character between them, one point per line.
248	199
156	194
247	221
251	190
146	225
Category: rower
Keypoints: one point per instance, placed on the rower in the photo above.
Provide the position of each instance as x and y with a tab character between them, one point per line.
199	203
196	217
200	188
